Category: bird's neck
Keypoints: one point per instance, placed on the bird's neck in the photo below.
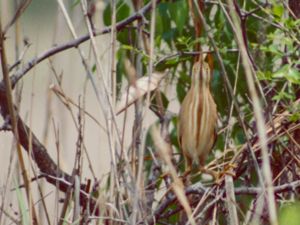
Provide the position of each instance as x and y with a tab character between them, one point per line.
200	85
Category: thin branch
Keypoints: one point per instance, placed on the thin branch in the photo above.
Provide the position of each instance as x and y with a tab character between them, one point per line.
292	186
261	127
66	100
39	152
75	43
11	113
231	201
199	189
230	90
18	13
187	53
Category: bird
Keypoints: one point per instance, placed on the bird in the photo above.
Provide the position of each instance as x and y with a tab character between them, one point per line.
198	118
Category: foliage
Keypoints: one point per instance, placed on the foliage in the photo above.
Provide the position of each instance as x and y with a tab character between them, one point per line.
141	186
272	41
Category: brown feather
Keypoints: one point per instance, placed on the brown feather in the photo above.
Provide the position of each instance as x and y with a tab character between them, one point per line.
197	118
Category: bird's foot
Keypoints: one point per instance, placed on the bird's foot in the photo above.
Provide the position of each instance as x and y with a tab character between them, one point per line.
186	176
228	170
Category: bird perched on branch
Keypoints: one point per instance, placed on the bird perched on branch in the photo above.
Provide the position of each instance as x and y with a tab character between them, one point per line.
198	118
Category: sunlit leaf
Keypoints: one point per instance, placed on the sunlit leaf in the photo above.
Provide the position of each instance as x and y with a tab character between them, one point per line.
289	214
283	95
289	73
264	75
278	10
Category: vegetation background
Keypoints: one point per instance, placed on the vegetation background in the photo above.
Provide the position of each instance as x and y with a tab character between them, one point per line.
88	129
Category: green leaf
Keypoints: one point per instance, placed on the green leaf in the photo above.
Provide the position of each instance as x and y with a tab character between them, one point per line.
22	204
283	95
126	37
294	117
107	15
167	32
264	75
238	134
164	100
127	47
179	14
163	11
181	87
278	10
289	73
159	23
170	63
173	133
121	55
273	48
183	43
289	214
219	93
94	67
123	11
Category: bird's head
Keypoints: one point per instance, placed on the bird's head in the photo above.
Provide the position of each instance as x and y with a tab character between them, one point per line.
201	73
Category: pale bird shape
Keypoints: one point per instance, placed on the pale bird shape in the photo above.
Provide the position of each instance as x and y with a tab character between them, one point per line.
198	118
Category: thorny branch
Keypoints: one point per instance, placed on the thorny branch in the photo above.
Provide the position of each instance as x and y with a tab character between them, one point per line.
47	166
75	43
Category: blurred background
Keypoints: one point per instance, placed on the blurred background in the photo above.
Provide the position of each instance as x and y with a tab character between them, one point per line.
42	25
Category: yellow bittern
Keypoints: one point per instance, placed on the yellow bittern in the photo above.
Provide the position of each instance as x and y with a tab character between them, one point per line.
198	118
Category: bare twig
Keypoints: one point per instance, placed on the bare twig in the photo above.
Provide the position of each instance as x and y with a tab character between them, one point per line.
199	189
75	43
66	100
39	152
230	201
22	7
9	111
